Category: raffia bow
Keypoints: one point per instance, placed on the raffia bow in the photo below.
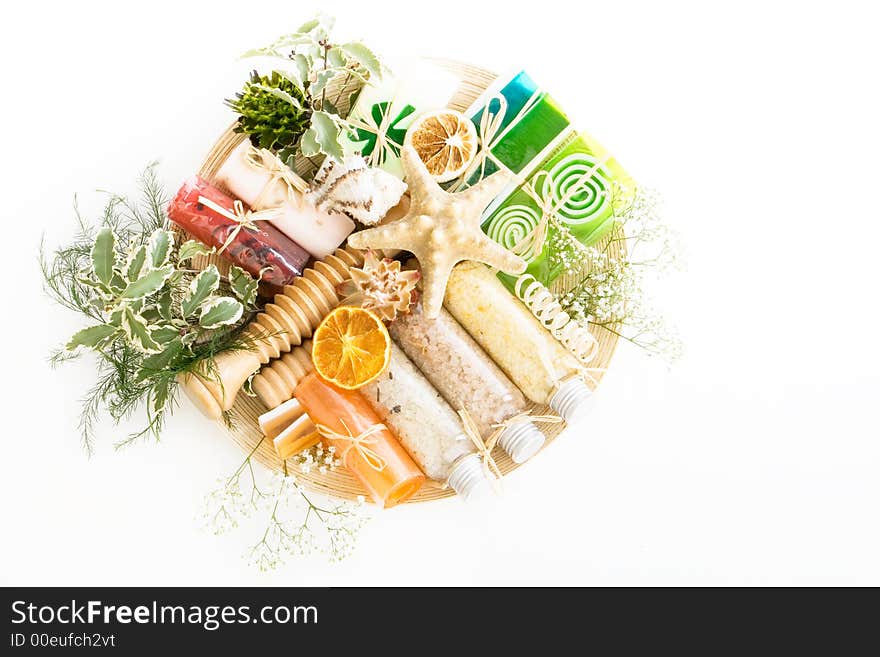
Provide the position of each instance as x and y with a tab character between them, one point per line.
358	443
489	134
484	449
531	245
242	218
265	160
384	143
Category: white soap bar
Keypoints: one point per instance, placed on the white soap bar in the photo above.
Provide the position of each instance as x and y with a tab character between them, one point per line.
318	232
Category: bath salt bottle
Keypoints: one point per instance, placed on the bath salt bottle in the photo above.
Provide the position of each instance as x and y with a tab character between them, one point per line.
204	212
318	232
533	359
366	446
427	426
467	378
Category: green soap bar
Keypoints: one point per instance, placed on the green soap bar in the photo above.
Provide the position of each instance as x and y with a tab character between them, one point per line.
531	135
588	213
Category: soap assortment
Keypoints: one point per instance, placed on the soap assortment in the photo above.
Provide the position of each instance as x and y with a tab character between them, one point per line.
465	357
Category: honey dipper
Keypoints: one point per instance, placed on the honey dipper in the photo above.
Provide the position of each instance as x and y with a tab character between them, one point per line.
282	325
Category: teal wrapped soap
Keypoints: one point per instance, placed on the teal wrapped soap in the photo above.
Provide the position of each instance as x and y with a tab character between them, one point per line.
517	123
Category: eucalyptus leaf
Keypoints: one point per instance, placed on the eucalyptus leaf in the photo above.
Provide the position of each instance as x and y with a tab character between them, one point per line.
220	311
91	337
192	248
149	283
138	332
200	288
159	247
104	255
243	285
135	264
363	56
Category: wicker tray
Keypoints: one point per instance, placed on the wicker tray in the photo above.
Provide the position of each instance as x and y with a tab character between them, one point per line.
245	431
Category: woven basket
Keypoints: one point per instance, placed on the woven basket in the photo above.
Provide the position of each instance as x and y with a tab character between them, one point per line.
245	430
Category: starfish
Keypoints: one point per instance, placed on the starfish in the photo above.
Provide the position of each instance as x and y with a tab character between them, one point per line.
441	230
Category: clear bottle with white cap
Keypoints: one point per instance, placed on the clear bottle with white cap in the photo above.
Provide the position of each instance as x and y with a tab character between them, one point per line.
468	379
533	359
426	425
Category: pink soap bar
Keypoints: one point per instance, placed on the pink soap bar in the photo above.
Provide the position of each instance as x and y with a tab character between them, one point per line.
265	250
318	232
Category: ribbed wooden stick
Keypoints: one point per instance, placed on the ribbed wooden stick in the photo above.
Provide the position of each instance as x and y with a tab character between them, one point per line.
282	325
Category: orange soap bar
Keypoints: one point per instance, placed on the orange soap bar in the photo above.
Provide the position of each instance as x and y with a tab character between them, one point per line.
378	461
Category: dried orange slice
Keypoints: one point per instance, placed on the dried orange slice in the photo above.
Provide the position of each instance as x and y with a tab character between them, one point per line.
351	347
446	142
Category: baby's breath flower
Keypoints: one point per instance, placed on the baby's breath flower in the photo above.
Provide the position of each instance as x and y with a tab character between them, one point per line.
298	523
611	290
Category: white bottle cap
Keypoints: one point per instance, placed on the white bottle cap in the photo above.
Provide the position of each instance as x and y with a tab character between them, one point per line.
468	478
522	441
570	400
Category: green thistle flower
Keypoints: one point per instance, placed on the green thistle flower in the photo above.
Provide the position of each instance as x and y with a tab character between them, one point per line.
273	112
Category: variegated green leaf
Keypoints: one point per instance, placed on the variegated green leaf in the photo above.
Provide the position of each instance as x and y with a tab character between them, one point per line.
138	332
151	314
279	93
135	263
248	386
322	137
149	283
321	81
116	316
363	56
91	337
292	77
243	285
164	334
163	305
303	65
308	26
117	283
335	57
158	362
220	311
103	290
192	248
159	396
104	255
159	247
200	288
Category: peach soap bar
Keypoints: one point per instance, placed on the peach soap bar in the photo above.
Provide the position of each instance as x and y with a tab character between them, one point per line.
378	460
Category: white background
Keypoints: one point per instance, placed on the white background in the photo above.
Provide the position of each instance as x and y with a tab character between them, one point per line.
754	461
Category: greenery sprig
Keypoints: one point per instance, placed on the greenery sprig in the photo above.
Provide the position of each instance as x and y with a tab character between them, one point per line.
151	315
290	109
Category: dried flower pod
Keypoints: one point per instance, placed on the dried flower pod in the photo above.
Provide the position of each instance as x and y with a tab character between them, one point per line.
381	286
